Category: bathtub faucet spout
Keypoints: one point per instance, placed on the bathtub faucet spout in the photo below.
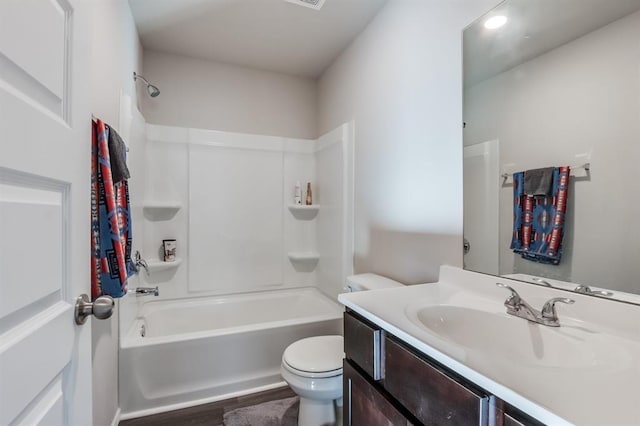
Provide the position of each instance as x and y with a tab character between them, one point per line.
146	291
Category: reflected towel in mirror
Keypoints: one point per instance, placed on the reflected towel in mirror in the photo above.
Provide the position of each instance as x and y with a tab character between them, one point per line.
539	181
538	220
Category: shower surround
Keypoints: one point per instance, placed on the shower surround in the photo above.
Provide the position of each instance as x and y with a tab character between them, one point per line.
228	200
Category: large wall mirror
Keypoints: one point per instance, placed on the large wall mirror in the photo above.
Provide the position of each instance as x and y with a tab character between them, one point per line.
557	84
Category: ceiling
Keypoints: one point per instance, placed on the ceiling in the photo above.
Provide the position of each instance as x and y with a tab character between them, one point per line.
534	27
273	35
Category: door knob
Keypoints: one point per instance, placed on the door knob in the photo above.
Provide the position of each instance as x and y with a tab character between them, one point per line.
101	308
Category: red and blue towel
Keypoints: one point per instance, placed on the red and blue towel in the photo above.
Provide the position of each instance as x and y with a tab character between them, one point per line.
111	263
538	220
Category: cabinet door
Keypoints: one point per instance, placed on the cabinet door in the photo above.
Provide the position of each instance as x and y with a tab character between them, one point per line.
429	393
365	405
502	414
362	344
509	420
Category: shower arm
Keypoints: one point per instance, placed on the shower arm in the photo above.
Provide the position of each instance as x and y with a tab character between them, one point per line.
138	76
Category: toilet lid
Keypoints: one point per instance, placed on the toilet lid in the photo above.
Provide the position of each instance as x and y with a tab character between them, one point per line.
315	354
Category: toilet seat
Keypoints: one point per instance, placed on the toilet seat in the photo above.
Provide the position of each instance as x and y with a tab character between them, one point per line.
315	357
310	375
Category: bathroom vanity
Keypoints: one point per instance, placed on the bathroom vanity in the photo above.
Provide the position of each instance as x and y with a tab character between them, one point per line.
389	382
448	353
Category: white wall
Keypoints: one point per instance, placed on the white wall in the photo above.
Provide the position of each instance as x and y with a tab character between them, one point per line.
583	97
116	53
212	95
401	80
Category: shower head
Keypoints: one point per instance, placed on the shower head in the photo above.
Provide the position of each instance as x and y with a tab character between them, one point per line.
153	90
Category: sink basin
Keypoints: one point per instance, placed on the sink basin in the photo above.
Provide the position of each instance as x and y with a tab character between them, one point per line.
499	336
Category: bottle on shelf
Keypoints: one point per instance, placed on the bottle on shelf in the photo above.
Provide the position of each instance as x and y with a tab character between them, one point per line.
309	199
297	194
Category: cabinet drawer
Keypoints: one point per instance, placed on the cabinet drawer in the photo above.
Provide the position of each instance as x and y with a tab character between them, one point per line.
365	405
506	415
511	421
427	392
362	342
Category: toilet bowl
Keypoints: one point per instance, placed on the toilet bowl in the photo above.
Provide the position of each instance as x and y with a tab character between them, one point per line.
313	369
313	366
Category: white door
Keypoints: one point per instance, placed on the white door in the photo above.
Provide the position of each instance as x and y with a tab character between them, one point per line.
45	358
481	192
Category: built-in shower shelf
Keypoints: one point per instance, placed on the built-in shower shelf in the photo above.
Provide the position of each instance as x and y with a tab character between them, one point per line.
304	212
303	256
160	210
304	207
156	265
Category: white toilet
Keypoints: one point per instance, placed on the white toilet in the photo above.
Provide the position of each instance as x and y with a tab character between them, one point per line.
313	366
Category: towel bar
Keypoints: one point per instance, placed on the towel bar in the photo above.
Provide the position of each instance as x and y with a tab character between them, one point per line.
585	166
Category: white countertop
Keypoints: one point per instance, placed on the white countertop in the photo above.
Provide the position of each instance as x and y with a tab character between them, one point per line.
599	392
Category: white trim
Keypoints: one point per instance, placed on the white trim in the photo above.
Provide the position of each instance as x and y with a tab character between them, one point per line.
157	133
172	407
116	417
221	139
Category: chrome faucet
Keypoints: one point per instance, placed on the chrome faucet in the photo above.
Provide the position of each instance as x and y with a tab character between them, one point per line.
147	291
140	262
542	281
585	289
518	307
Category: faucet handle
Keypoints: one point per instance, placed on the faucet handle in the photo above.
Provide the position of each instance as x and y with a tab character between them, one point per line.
549	309
143	291
140	262
585	289
512	301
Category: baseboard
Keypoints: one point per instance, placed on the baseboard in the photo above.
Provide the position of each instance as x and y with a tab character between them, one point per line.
116	418
179	406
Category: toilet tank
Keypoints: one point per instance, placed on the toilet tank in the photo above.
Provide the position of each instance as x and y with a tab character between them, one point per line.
363	282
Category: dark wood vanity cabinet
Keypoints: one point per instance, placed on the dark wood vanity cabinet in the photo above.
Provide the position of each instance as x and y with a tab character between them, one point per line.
366	404
386	382
430	394
362	344
505	415
509	420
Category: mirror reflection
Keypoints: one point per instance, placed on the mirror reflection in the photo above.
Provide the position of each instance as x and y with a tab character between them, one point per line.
549	84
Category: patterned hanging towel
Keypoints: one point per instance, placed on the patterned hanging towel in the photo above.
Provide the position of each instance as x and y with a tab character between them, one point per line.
111	263
539	218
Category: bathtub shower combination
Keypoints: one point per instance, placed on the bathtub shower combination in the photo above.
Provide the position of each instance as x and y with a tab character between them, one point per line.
256	273
196	350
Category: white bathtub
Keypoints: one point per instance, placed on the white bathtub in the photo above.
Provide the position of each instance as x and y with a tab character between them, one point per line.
207	349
